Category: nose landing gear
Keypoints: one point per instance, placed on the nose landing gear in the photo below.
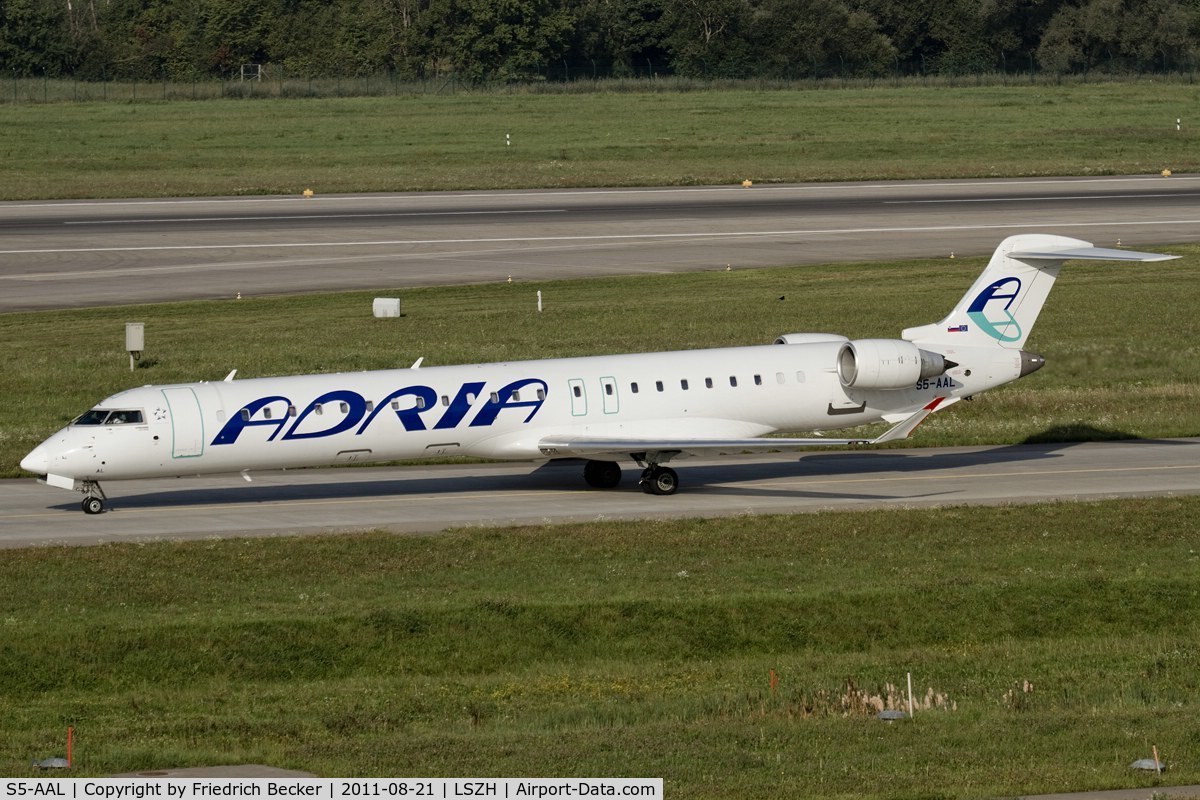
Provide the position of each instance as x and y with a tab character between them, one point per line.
93	497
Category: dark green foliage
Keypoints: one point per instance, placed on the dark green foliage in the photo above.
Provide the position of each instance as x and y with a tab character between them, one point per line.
1116	36
485	41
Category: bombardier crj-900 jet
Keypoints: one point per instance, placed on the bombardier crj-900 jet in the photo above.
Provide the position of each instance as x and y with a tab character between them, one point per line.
648	408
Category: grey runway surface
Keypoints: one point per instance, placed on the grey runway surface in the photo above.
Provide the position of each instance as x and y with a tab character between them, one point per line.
435	498
88	253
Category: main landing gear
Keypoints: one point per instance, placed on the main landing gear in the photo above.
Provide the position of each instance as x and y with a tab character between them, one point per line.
602	474
93	497
659	480
656	479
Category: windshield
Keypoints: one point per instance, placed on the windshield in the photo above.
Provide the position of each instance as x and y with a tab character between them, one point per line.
104	416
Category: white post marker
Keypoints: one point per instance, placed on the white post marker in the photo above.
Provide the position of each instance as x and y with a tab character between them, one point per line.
539	301
135	341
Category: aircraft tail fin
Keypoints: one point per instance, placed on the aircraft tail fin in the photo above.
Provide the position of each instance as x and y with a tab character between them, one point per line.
1005	300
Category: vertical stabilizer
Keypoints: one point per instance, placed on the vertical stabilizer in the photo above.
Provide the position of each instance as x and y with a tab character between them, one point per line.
1004	302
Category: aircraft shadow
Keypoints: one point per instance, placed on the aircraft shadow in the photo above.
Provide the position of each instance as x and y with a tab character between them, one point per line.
1047	445
712	477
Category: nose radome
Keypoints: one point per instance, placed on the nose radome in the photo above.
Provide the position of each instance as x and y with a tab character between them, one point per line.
37	461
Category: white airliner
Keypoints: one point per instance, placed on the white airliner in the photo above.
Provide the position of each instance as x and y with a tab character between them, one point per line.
649	408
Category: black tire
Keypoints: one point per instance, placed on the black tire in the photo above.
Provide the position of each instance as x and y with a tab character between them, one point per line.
660	481
602	474
92	505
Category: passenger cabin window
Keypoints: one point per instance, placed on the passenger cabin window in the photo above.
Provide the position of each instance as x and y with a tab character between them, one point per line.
779	378
608	389
732	381
291	411
266	412
578	390
633	387
658	385
708	383
758	380
495	397
799	377
541	393
683	384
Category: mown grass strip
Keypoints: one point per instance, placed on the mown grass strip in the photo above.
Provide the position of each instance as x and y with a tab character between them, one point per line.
1050	646
487	140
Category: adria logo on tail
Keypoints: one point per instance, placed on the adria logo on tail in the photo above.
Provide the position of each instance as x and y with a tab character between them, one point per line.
997	321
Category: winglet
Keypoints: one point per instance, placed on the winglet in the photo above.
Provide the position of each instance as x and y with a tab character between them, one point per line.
904	429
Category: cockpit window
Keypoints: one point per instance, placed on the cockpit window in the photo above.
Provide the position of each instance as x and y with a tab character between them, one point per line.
103	416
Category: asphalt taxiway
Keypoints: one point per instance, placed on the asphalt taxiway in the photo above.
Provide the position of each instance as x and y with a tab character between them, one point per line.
438	497
89	253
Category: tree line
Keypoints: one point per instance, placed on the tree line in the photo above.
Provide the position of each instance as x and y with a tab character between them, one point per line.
484	41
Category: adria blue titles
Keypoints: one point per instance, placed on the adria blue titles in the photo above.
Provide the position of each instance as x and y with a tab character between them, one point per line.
359	415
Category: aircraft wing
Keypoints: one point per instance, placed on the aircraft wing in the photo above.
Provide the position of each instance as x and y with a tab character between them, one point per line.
567	446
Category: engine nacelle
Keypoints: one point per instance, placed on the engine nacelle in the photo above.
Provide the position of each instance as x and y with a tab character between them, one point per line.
809	338
886	364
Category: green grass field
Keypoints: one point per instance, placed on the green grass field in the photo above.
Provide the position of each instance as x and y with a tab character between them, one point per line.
601	138
1050	646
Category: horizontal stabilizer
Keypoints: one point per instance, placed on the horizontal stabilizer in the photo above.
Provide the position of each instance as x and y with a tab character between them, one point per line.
1088	254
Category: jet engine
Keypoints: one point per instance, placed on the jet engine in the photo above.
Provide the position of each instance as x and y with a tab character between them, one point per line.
887	364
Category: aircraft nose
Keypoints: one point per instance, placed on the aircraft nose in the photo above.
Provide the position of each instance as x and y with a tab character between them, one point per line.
37	461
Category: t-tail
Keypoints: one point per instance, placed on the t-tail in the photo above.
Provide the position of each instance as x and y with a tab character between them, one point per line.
1003	304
